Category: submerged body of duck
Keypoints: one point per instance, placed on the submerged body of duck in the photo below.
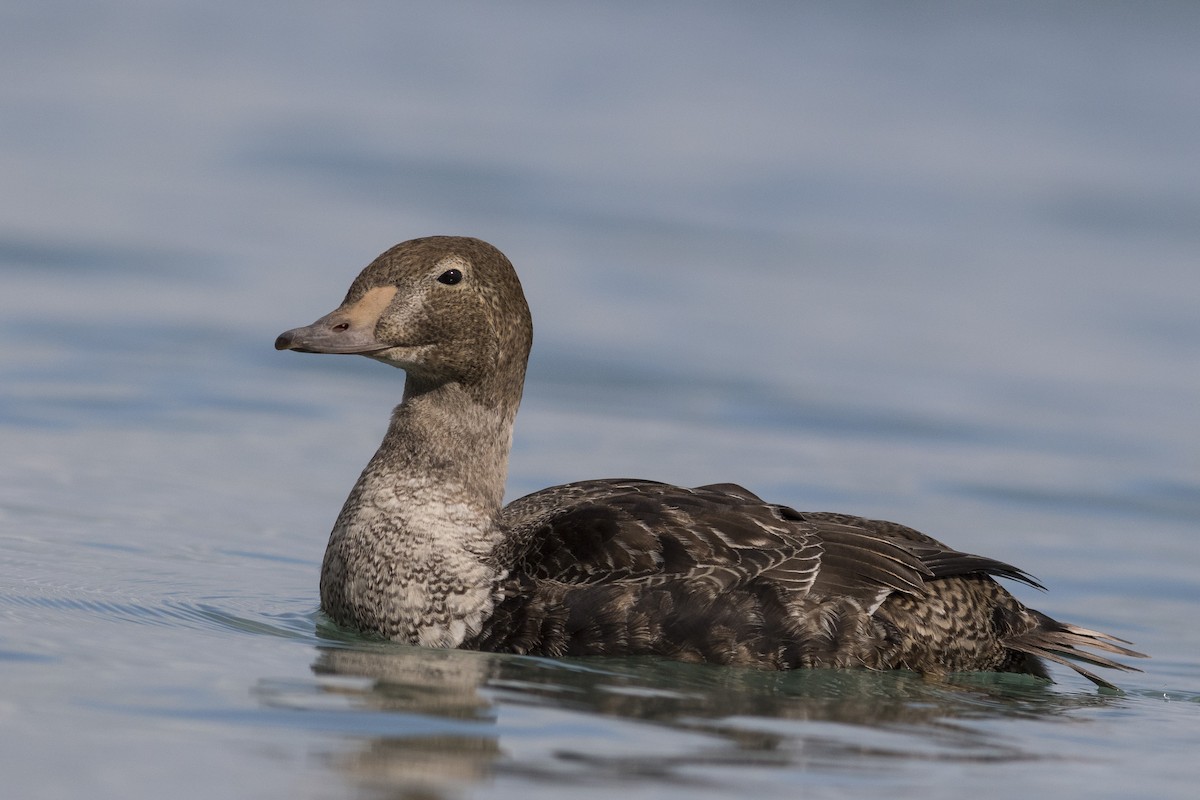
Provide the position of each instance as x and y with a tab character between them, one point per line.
425	552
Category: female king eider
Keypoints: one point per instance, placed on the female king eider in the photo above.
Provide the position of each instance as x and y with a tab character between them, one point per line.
425	552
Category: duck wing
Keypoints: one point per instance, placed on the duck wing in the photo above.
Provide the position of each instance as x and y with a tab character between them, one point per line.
720	536
939	560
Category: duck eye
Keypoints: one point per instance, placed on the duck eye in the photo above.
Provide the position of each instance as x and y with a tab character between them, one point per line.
450	277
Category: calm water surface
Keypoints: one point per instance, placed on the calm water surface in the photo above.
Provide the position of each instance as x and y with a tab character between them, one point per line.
932	265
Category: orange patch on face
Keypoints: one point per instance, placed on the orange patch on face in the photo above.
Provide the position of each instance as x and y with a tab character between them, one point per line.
364	312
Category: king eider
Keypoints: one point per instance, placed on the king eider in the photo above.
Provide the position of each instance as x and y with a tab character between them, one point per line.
425	552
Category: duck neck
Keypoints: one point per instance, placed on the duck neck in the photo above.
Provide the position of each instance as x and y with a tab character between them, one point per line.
411	556
451	436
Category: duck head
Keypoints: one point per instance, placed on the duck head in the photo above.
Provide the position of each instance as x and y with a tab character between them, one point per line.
446	309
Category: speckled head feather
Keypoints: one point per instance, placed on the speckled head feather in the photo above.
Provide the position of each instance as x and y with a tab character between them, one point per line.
459	301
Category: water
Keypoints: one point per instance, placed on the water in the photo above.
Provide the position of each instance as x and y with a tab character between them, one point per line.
933	264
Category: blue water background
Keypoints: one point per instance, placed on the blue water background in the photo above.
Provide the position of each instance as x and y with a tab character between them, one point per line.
933	262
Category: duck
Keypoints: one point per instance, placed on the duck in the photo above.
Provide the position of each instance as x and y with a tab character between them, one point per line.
425	552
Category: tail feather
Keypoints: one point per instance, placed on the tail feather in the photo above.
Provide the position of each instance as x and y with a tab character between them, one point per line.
1070	644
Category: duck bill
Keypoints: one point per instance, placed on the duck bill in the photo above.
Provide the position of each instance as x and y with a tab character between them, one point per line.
349	329
323	337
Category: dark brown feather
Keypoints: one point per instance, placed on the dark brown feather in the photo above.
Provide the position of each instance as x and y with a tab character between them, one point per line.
716	574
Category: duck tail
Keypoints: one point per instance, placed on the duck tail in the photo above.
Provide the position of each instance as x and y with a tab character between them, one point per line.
1070	644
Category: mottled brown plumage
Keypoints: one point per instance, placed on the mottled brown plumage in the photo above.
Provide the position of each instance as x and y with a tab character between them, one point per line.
424	552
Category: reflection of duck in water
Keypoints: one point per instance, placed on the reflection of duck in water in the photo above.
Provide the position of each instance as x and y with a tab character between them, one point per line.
424	551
